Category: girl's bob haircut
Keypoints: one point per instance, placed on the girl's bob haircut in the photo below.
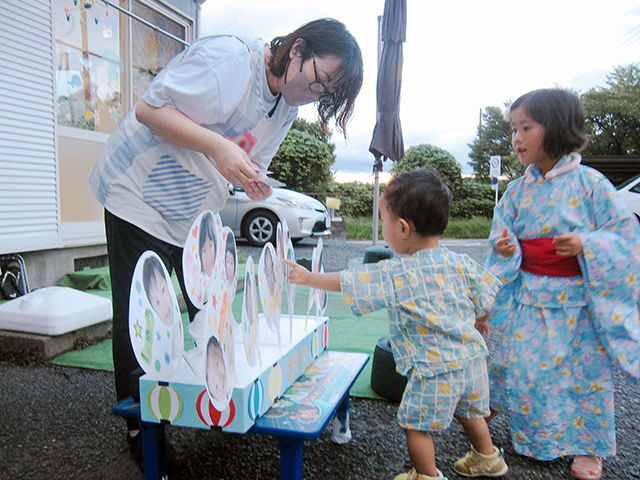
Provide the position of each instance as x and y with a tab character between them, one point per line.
562	116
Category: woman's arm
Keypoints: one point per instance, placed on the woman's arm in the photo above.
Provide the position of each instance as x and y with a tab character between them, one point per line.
174	127
322	281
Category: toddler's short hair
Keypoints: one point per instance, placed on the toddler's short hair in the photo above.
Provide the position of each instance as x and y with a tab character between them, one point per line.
422	197
562	116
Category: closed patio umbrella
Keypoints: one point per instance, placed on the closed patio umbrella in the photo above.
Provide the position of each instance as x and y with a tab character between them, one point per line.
387	135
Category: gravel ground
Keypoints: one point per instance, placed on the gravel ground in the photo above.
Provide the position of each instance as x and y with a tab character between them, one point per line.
56	423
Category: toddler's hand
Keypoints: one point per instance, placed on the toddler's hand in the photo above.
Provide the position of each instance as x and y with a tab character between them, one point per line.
568	244
503	245
298	274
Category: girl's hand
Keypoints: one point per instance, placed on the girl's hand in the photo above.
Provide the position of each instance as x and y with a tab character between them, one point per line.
568	244
298	274
503	245
482	325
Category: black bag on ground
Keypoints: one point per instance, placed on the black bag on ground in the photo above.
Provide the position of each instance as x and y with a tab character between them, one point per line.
13	277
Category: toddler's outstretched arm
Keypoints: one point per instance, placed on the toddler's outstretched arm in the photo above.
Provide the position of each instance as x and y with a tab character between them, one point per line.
503	245
323	281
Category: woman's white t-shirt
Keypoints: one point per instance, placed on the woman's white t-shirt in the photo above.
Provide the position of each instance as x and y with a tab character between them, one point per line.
221	84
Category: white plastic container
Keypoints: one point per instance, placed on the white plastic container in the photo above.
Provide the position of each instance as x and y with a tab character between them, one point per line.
54	311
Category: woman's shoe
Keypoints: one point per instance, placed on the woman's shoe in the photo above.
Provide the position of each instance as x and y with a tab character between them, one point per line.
586	467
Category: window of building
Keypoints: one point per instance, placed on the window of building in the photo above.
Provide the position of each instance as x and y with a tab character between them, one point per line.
106	58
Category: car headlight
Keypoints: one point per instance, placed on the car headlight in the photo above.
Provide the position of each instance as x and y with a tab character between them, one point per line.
295	203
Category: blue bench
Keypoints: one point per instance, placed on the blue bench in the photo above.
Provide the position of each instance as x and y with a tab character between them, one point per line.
327	399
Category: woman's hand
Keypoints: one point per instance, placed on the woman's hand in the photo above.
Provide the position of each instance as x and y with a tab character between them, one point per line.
234	164
568	244
175	127
503	245
256	190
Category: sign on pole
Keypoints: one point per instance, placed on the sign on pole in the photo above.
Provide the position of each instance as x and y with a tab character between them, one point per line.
495	171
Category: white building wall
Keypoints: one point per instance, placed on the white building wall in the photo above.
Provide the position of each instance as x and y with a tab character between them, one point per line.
29	200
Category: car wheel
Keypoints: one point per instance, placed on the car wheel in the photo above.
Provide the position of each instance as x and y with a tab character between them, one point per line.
260	228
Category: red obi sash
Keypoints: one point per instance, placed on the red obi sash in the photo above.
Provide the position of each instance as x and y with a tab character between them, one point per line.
540	258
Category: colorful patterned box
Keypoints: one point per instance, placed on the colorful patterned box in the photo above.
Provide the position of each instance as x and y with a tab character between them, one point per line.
185	401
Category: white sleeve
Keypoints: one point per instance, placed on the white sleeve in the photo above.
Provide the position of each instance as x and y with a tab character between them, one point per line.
205	82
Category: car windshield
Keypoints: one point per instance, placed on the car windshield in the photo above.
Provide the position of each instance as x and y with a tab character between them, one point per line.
627	182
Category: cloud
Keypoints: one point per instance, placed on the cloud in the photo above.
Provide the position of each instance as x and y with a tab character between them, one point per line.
460	57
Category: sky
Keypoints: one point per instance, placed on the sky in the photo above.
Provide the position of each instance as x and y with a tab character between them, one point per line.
459	58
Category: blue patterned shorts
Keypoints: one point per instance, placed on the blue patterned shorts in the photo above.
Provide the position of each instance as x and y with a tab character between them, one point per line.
429	403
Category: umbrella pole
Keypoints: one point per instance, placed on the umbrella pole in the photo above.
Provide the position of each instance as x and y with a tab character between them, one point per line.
377	167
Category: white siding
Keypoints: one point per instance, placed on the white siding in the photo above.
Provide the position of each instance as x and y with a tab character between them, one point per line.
28	172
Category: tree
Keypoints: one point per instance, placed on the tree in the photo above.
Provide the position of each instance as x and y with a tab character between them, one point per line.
426	155
494	138
305	158
613	114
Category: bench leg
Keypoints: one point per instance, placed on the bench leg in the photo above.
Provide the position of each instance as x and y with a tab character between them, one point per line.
341	429
153	451
290	458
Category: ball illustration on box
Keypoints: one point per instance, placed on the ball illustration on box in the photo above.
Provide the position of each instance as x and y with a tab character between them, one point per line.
165	403
256	399
212	417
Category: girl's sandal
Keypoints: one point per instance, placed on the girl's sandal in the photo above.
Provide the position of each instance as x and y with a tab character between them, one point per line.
586	467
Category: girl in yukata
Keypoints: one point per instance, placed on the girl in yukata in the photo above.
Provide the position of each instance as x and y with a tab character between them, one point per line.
566	249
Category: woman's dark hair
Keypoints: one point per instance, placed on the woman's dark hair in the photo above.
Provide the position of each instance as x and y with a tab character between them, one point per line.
421	197
325	37
562	116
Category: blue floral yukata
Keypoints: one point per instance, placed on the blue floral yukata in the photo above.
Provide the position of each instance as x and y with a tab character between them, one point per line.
553	370
433	298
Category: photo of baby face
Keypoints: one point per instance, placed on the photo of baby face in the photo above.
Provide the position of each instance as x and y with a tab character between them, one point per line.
207	244
157	289
230	258
270	271
249	300
216	370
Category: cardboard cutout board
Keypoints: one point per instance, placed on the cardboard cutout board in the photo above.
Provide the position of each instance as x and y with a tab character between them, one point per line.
270	280
155	324
250	323
230	261
291	287
219	358
314	296
202	259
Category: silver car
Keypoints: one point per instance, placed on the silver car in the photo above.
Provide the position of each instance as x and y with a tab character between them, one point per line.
630	193
256	221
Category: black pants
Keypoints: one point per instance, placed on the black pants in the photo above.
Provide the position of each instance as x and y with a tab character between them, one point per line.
125	244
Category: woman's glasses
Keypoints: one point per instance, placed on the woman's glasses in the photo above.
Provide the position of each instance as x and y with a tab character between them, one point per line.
318	88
